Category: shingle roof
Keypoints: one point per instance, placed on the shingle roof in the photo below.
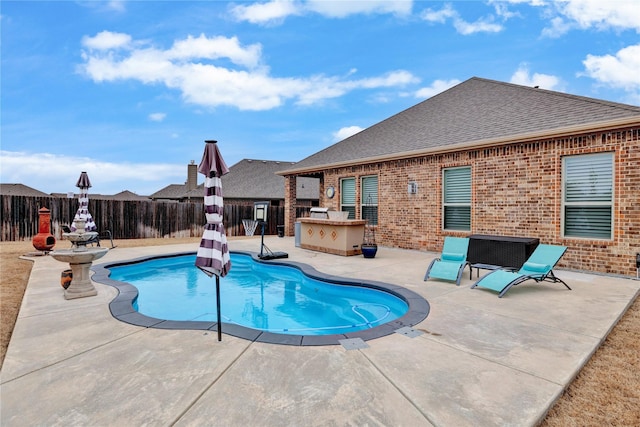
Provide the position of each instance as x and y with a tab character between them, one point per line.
475	110
123	195
257	179
248	179
171	191
126	195
20	190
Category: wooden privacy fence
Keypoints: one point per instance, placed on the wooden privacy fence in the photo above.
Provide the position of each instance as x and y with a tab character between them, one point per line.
126	219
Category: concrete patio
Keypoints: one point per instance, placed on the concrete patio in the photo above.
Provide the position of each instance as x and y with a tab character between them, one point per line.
480	361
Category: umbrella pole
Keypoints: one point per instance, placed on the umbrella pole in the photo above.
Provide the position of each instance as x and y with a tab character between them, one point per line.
218	307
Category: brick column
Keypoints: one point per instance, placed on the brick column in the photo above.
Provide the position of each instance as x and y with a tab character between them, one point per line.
321	199
290	197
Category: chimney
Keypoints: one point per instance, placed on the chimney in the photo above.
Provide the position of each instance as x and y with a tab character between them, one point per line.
192	175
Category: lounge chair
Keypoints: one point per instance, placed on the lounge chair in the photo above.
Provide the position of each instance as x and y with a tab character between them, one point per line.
94	241
452	261
538	267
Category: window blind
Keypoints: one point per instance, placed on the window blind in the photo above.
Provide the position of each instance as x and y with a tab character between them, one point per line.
370	199
588	195
348	196
457	199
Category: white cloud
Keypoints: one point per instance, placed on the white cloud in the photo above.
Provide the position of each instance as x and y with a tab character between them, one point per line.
104	6
276	11
58	174
482	25
558	27
619	71
436	87
157	117
190	66
586	14
346	132
272	12
503	11
341	9
544	81
105	40
439	16
320	87
212	48
117	5
622	14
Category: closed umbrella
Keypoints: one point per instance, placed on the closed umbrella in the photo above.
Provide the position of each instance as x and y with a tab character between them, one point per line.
213	254
83	208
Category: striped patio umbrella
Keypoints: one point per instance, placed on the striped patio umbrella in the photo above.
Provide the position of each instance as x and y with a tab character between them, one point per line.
213	254
83	208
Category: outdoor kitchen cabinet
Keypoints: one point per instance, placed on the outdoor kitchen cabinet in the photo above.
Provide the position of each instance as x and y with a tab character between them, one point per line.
339	237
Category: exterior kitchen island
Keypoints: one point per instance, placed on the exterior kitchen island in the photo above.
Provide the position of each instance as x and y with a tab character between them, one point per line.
333	236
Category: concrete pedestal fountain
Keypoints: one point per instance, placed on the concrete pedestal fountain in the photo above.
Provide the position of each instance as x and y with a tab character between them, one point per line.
80	258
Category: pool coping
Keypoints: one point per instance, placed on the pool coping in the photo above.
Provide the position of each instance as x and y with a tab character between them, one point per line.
121	306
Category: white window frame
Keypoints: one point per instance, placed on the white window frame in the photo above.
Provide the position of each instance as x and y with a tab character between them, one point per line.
461	200
365	202
588	183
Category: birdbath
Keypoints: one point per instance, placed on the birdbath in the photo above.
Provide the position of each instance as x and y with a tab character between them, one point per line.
80	258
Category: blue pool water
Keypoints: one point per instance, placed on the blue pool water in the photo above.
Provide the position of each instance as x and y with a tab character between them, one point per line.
272	298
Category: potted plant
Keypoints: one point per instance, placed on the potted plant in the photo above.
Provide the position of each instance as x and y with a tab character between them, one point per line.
369	246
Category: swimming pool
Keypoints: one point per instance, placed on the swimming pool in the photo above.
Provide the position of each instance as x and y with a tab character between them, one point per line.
285	302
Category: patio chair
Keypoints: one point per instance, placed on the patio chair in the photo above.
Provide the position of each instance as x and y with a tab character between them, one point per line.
538	267
452	261
96	240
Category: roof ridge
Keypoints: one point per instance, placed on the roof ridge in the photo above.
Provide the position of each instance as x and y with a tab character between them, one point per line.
559	93
265	160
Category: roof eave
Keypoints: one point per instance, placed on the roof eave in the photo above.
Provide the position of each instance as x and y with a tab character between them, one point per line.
479	144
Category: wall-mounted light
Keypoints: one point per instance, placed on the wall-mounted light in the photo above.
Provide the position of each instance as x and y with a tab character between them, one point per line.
412	187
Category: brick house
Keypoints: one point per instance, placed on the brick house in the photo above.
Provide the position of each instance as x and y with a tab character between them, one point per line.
487	157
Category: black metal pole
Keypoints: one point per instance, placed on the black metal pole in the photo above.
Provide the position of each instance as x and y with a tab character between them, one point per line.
218	307
262	223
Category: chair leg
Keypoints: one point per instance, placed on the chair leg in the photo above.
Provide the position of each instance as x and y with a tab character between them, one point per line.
426	275
556	279
460	273
108	233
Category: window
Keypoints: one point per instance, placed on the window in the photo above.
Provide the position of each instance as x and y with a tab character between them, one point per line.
456	198
588	195
369	199
348	196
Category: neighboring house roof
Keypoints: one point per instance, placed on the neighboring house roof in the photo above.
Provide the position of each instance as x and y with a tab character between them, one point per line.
126	195
123	195
248	179
21	190
171	191
475	112
258	179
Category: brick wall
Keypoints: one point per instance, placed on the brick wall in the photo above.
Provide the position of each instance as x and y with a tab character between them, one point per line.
516	191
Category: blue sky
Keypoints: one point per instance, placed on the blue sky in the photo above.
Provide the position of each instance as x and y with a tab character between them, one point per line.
129	90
